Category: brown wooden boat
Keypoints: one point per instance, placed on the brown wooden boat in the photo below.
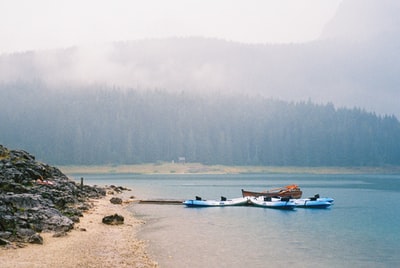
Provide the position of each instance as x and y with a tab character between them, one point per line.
292	191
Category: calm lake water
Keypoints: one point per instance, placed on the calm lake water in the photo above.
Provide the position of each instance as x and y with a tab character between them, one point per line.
362	229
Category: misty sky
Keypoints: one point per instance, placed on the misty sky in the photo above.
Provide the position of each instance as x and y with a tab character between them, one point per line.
46	24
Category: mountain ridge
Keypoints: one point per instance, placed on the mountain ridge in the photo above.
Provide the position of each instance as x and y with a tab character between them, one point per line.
354	64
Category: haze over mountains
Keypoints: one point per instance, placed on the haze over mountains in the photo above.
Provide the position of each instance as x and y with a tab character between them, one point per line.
214	101
364	20
355	63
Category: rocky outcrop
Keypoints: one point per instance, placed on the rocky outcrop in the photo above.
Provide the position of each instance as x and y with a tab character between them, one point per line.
36	197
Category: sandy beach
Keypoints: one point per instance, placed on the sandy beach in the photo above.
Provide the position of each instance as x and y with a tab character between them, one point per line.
90	244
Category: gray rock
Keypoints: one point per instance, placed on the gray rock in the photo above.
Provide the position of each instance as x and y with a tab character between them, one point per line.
36	197
113	219
116	200
35	239
4	242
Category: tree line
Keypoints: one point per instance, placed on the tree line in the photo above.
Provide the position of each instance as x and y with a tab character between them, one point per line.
104	125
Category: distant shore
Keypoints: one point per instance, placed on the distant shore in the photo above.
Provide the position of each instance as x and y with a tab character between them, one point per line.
197	168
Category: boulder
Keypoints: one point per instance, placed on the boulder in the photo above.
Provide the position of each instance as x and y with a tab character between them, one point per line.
35	239
113	219
116	200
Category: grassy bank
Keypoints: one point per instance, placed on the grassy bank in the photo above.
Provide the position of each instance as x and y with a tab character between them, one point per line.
197	168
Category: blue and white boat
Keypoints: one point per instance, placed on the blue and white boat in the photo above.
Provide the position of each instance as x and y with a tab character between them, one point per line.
272	202
314	202
224	202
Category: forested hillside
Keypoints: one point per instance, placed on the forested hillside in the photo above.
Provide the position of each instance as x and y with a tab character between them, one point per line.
344	73
102	125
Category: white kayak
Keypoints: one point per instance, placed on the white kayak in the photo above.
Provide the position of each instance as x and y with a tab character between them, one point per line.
224	202
314	202
273	202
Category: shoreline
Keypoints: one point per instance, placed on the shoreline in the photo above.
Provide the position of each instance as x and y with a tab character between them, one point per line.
90	244
166	168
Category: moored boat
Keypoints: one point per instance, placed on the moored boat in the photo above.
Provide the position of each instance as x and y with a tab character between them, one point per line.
272	202
314	202
224	202
292	191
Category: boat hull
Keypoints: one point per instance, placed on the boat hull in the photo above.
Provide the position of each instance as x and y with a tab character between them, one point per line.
324	202
215	203
276	203
290	191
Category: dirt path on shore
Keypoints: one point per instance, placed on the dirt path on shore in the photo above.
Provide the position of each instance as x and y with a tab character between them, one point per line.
90	244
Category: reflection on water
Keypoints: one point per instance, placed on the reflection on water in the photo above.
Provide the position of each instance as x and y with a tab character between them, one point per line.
360	230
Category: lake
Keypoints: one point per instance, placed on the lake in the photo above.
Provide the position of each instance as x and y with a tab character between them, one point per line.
362	228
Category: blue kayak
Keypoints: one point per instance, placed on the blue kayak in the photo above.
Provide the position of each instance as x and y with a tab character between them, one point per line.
224	202
314	202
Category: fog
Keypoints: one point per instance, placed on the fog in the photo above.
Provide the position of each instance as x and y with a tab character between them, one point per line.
353	61
363	20
46	24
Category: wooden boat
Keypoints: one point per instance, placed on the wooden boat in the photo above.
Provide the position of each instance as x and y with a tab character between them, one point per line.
314	202
272	202
293	191
224	202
